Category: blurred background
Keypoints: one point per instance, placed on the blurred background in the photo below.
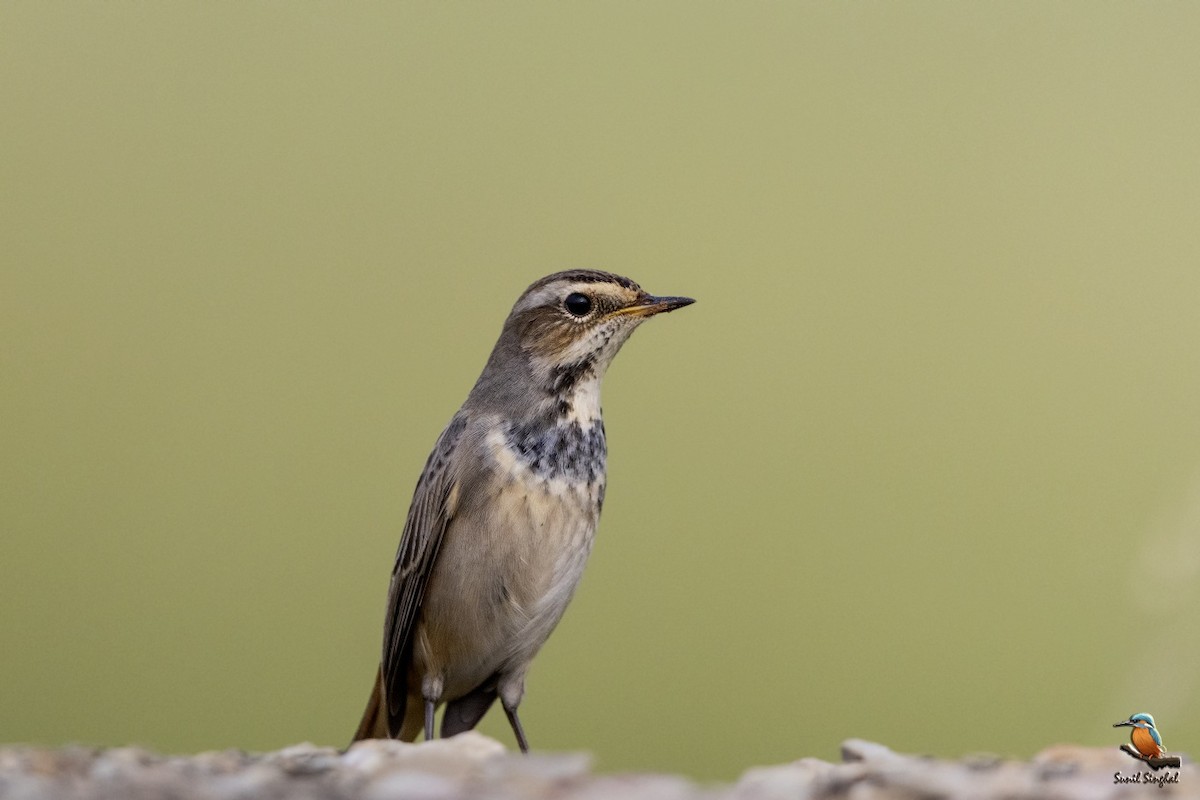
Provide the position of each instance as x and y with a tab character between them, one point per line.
922	465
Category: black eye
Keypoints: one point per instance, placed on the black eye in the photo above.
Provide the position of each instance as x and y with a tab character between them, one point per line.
578	304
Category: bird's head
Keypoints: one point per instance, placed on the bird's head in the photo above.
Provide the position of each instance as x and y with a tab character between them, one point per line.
582	316
564	331
1136	721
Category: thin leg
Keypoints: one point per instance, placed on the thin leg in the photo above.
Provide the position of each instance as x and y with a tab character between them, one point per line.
515	722
428	720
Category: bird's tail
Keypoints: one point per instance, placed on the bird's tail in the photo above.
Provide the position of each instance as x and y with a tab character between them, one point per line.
374	723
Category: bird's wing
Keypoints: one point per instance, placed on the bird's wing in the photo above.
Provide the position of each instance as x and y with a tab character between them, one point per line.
428	517
1157	738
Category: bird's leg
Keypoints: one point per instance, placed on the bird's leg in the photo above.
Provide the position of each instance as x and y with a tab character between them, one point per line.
511	688
432	687
515	722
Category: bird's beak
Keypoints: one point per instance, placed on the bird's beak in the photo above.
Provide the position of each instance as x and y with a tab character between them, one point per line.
649	305
1124	724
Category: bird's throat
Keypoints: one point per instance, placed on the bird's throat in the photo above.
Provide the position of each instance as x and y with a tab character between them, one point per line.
574	389
581	405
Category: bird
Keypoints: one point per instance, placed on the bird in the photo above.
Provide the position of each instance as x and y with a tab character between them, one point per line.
504	514
1144	736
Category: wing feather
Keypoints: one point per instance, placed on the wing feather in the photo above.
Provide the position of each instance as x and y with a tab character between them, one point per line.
428	517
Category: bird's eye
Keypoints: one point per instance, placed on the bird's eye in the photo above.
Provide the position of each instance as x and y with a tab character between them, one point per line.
578	304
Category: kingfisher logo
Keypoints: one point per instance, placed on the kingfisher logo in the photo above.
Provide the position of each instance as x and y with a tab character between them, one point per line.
1145	744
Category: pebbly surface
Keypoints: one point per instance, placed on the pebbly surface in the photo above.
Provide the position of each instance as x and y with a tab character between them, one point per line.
474	766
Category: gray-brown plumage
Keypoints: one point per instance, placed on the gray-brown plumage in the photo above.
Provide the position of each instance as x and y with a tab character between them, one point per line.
503	516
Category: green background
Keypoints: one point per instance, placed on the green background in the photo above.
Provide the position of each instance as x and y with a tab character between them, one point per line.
922	465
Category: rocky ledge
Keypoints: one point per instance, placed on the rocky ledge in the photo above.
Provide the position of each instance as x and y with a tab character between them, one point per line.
474	766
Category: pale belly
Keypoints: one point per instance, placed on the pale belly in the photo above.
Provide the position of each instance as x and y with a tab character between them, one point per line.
508	567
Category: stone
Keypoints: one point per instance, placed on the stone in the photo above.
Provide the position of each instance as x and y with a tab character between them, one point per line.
472	766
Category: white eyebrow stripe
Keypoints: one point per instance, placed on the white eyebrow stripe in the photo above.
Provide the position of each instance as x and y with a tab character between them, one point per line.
550	294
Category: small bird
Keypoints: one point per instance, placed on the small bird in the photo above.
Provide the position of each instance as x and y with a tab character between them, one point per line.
1144	735
505	511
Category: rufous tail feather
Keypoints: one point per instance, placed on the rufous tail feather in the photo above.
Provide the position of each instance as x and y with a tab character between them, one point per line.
374	719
